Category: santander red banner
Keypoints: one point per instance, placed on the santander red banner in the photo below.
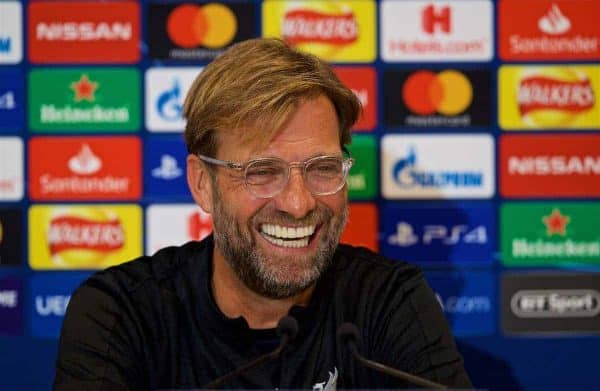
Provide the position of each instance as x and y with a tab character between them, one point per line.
84	32
363	82
549	30
548	166
85	168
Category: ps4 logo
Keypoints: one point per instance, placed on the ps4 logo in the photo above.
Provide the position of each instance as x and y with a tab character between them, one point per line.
405	235
168	103
7	101
406	174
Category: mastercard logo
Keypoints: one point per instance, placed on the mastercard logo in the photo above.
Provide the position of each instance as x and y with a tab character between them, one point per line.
448	92
211	25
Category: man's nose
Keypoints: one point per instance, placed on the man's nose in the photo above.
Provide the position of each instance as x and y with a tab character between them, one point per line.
295	198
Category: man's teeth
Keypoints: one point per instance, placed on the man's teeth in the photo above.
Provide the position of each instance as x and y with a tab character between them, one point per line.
287	236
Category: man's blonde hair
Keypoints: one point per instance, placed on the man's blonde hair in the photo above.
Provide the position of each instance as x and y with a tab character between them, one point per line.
258	84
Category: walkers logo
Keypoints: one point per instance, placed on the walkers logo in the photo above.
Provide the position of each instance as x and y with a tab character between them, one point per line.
166	89
550	166
12	108
11	37
437	166
198	31
175	224
549	97
362	179
420	30
11	236
468	299
551	302
83	236
425	98
336	31
91	99
11	174
549	30
11	306
362	227
84	32
363	82
85	168
550	234
50	295
440	235
164	173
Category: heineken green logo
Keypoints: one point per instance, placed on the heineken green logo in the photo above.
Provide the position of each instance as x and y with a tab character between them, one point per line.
96	99
362	176
543	234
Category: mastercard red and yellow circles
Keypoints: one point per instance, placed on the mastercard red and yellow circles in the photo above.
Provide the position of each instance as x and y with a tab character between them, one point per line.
336	31
211	25
549	97
448	92
83	236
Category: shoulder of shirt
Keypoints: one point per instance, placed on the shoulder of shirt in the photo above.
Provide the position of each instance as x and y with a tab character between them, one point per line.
166	264
361	263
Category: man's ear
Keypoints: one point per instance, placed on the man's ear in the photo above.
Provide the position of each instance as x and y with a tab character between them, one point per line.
199	182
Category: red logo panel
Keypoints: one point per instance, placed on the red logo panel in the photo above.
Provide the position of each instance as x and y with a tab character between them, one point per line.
362	81
85	168
550	165
549	30
84	32
362	227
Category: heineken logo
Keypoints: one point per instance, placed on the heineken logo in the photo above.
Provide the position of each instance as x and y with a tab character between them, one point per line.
545	234
93	100
84	89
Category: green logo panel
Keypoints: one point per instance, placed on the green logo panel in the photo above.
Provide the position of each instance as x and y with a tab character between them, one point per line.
362	180
84	99
550	234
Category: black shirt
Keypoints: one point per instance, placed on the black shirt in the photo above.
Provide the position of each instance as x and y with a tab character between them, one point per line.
153	323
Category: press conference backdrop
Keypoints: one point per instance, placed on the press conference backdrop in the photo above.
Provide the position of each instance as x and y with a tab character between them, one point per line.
477	158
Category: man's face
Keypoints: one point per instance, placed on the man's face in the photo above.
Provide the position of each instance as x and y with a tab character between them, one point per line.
250	232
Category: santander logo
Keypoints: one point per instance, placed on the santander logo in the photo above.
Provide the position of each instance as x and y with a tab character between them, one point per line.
554	22
85	162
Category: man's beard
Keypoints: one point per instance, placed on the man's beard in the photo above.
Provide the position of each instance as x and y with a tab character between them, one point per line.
263	274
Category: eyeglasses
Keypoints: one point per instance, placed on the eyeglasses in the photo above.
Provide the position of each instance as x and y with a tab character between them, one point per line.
267	177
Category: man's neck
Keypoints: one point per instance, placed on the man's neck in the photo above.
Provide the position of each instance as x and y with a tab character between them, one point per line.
235	299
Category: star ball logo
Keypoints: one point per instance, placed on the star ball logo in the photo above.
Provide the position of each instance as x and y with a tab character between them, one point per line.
94	99
198	31
84	32
433	98
542	234
337	31
541	97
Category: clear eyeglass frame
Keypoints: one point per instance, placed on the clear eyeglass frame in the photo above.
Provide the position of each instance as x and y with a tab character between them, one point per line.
332	181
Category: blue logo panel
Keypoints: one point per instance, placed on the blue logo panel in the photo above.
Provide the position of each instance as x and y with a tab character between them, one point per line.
11	306
164	171
12	110
469	301
50	295
439	236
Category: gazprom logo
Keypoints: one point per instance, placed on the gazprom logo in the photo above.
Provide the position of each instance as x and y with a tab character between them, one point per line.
407	174
169	103
5	44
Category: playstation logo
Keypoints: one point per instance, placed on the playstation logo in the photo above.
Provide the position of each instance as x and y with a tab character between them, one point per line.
168	168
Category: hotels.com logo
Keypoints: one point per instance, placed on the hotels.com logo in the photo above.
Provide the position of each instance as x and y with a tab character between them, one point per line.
436	19
560	30
313	26
550	165
84	32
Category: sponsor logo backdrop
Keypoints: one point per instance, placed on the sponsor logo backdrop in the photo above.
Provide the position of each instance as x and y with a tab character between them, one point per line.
477	154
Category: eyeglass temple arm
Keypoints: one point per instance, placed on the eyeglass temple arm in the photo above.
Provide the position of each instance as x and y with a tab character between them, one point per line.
222	163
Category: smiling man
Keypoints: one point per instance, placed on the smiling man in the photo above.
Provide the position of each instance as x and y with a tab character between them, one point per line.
266	130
